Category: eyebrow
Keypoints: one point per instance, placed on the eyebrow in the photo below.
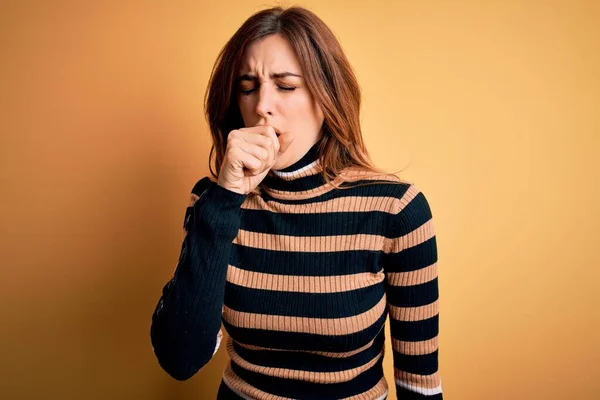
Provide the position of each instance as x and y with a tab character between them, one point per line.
250	77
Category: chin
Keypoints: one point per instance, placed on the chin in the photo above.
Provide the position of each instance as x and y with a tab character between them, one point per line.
281	163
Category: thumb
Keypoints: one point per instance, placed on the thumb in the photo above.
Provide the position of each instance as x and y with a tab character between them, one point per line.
284	143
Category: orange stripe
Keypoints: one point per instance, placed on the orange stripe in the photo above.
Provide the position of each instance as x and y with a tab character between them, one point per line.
332	243
416	348
414	313
408	196
411	278
300	195
302	375
302	284
422	381
320	353
317	326
411	239
346	204
352	174
375	392
237	384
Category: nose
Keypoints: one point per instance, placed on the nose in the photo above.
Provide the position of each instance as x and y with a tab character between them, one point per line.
264	105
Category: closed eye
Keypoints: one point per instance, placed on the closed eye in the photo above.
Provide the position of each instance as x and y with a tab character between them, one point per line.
282	88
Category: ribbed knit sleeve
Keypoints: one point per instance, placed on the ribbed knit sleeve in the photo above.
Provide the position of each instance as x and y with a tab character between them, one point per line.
186	323
412	294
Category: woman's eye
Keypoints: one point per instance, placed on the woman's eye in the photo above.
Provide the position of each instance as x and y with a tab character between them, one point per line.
284	88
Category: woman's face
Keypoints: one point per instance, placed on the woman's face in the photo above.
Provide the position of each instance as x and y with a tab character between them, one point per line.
271	91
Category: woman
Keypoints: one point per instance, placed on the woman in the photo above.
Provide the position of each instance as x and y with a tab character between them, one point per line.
299	246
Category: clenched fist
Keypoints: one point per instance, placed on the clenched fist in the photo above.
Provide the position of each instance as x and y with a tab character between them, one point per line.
250	154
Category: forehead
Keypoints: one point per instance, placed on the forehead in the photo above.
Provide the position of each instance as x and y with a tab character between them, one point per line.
273	52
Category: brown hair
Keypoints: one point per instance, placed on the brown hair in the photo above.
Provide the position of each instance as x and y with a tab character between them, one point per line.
329	78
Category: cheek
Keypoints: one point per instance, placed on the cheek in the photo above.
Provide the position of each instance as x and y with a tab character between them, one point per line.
245	106
301	110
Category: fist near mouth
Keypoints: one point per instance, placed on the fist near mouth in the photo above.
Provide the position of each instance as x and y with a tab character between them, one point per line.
251	152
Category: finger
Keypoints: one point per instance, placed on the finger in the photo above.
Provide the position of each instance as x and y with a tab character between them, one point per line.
262	129
249	140
270	132
247	160
265	136
259	152
254	138
257	138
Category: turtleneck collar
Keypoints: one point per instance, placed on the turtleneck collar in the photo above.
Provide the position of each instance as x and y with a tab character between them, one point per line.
303	175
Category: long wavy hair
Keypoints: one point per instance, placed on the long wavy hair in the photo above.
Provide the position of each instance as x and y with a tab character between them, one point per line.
329	76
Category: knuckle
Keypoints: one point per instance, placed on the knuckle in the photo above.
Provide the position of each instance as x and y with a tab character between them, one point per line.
234	142
264	153
266	142
234	152
233	135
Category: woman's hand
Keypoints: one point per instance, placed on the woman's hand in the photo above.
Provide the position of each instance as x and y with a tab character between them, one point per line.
250	154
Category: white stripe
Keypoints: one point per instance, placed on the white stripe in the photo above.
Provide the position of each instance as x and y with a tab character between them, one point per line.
382	396
420	390
296	172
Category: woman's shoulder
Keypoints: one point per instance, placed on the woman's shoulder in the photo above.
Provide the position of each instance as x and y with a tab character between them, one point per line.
382	179
387	184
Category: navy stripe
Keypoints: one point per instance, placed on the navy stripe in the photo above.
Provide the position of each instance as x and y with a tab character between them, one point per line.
305	341
297	185
412	258
382	188
415	331
309	390
308	361
315	224
415	295
425	364
296	304
305	264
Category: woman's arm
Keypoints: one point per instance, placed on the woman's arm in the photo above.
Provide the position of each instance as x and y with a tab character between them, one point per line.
186	323
410	264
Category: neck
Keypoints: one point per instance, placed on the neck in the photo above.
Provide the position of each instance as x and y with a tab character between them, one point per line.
304	174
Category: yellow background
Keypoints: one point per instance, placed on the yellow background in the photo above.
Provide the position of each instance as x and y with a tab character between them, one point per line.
492	105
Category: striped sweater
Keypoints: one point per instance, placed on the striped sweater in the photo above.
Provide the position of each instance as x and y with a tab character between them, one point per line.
303	277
